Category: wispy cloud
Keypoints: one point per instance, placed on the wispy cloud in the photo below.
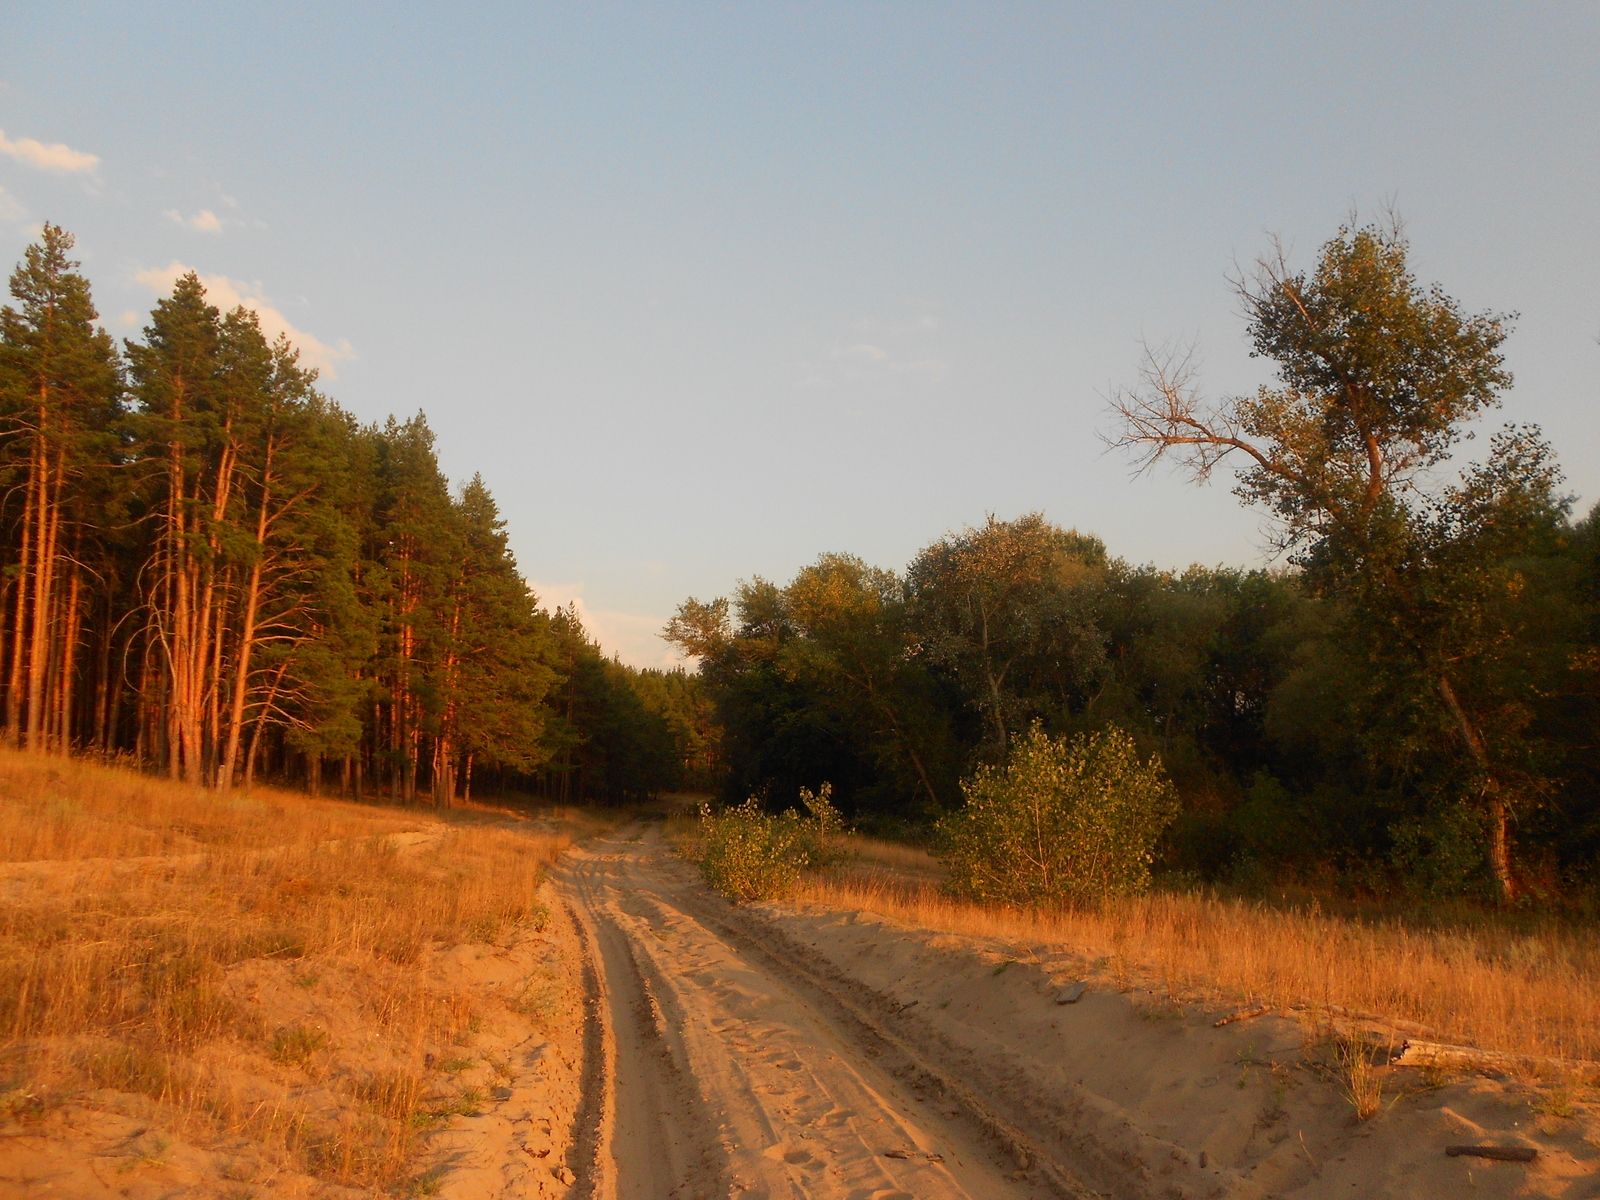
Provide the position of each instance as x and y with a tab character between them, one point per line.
894	327
862	352
205	220
633	637
878	351
228	294
54	157
10	209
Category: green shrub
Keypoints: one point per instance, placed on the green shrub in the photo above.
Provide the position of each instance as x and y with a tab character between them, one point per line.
1061	821
747	853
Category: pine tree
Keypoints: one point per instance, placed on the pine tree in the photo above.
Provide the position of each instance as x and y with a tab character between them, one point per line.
61	392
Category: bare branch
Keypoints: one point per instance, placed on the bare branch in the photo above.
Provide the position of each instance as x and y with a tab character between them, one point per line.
1164	413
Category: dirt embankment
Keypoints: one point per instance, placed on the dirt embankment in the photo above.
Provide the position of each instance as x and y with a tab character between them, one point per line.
778	1051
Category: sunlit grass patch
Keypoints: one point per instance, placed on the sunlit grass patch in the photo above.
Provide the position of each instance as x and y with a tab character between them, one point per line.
1498	985
142	978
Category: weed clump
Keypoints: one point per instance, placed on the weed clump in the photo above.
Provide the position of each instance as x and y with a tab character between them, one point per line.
295	1045
1062	820
1359	1077
747	853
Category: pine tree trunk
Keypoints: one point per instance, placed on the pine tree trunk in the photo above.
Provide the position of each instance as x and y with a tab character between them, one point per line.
102	689
141	714
247	632
48	514
241	679
5	598
212	618
260	722
69	657
25	578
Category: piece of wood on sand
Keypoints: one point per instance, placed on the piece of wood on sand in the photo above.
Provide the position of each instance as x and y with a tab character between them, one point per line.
1416	1053
1244	1015
1497	1153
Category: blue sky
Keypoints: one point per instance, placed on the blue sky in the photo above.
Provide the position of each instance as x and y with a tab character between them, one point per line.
706	290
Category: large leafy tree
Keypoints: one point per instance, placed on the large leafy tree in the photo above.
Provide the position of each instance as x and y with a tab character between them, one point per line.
1377	382
853	642
784	724
1009	610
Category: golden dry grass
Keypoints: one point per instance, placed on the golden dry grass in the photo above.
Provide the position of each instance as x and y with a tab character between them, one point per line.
127	976
60	809
1506	986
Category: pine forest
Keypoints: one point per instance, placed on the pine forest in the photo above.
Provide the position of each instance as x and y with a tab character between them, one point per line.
213	571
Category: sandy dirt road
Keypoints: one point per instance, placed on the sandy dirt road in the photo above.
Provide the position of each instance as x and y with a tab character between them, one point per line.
723	1063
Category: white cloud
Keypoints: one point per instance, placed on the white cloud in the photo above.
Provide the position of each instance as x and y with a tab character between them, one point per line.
863	351
10	209
883	352
128	318
926	323
228	294
635	638
205	220
54	157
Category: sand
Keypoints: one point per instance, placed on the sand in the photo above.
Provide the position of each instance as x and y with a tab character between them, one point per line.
777	1051
654	1041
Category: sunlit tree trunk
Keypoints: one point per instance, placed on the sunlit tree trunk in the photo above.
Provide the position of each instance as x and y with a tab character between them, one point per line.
72	631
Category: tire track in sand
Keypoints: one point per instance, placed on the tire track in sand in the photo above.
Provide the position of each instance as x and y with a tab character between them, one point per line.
727	1074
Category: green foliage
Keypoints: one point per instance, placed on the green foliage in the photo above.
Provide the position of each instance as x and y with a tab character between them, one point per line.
1009	610
208	567
822	826
1441	854
1062	820
747	853
607	740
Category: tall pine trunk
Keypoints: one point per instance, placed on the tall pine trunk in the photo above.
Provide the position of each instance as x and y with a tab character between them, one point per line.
48	514
72	627
19	629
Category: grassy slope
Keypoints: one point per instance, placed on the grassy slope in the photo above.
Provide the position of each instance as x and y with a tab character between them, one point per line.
254	977
1508	984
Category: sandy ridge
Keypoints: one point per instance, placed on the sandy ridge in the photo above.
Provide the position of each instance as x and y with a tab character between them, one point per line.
1168	1104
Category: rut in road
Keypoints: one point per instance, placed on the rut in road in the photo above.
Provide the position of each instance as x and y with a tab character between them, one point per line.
726	1070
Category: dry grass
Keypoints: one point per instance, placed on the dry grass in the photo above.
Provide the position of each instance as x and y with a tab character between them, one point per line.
137	977
1360	1079
67	809
891	858
1532	990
